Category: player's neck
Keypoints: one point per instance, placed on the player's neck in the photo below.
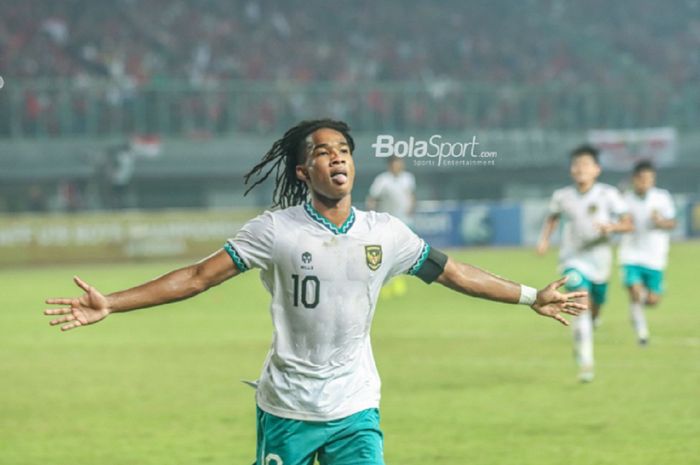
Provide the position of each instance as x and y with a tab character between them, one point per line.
584	188
335	211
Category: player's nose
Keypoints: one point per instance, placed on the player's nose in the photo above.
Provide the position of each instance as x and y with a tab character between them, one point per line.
337	158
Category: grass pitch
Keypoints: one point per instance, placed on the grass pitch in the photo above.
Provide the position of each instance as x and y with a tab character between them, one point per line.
464	381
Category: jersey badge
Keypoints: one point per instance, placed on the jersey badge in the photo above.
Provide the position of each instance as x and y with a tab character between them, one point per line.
373	254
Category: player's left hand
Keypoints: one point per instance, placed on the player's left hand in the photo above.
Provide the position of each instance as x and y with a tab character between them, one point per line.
551	303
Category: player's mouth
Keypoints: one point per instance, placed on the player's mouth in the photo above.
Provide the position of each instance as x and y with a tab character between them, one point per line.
339	177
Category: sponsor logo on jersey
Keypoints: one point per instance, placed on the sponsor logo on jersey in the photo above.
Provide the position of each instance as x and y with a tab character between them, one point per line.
373	254
306	260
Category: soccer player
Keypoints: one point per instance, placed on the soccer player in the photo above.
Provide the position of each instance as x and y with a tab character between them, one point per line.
643	254
591	212
393	192
323	263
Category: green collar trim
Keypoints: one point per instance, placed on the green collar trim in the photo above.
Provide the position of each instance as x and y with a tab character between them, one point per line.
323	221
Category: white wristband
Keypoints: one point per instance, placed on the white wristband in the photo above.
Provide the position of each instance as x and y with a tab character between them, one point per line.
528	295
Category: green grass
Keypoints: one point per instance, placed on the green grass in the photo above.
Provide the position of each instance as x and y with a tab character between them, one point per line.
464	381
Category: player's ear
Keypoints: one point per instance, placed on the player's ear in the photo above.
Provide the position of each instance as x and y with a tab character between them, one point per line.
301	169
302	173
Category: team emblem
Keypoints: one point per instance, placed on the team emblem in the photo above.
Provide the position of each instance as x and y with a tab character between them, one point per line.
373	254
592	208
306	257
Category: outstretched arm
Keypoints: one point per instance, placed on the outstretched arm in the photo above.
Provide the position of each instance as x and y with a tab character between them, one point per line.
550	224
547	302
176	285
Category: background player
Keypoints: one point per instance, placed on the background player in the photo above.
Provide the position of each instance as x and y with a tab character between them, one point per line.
393	192
323	263
590	212
643	253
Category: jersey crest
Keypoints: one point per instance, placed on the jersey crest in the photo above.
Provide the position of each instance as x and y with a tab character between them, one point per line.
373	254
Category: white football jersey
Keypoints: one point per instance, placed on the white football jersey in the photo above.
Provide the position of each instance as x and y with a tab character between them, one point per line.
582	245
647	246
325	282
394	194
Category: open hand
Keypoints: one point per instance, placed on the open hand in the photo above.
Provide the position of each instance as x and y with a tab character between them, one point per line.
551	303
90	308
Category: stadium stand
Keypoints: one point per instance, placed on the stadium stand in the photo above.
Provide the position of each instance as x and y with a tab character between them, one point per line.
187	67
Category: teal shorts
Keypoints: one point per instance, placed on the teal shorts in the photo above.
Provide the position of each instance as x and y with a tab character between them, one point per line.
647	277
353	440
577	281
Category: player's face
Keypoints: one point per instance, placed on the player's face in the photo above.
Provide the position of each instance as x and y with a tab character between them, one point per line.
643	181
329	169
584	170
396	166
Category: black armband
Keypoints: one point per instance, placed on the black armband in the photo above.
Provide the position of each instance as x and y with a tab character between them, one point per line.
432	267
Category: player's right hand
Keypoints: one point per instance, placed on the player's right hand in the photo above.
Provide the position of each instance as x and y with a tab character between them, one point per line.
90	308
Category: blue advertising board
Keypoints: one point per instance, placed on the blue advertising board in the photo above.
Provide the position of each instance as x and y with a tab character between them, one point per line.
470	224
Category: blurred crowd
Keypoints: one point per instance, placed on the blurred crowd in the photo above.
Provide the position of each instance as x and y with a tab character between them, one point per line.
528	41
134	44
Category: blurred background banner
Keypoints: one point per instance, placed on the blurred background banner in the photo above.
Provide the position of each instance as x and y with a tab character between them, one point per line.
621	149
103	237
170	233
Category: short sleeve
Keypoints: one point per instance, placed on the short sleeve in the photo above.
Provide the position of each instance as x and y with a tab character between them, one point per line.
375	190
555	207
668	209
618	206
252	245
410	251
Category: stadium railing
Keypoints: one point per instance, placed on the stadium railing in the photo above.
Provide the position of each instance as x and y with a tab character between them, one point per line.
69	108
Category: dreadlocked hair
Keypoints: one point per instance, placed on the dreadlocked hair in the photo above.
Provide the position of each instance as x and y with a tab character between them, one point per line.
284	156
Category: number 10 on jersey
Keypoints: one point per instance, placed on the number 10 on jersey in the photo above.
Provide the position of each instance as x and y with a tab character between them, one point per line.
308	289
